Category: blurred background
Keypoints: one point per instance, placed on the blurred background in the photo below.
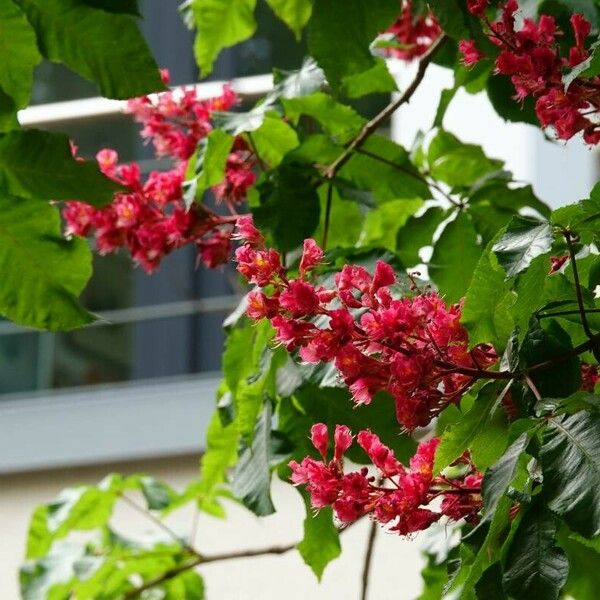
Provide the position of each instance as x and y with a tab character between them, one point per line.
134	393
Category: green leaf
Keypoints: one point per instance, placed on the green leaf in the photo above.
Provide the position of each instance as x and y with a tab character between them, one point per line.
417	233
346	28
188	585
218	146
546	342
294	13
476	429
250	369
79	509
501	93
434	577
393	178
489	587
488	303
455	257
500	475
535	566
464	166
252	478
584	576
18	48
381	224
220	454
321	542
273	139
289	207
158	495
207	165
82	37
524	240
470	571
331	406
43	274
570	459
451	17
339	120
38	164
220	24
376	80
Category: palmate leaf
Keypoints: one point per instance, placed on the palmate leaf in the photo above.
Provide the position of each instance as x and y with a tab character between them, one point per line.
499	476
455	257
570	459
252	477
83	38
482	430
488	302
43	274
18	48
523	240
38	165
220	24
346	28
289	207
294	13
535	566
321	541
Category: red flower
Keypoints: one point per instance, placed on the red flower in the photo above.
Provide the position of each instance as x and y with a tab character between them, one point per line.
471	55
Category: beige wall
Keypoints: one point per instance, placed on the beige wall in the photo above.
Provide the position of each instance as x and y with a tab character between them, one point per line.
395	573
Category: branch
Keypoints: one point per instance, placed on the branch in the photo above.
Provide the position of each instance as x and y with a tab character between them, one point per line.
584	321
201	560
160	524
372	126
414	175
368	559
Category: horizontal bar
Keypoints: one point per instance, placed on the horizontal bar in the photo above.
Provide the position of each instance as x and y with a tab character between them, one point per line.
55	113
106	423
137	314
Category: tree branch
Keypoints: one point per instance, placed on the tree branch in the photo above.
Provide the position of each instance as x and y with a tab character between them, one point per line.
372	126
584	321
414	175
368	559
202	560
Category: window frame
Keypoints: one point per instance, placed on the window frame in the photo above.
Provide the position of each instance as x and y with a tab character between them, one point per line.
114	422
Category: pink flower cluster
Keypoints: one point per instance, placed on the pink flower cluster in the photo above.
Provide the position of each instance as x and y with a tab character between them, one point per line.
413	348
531	57
149	217
399	497
413	33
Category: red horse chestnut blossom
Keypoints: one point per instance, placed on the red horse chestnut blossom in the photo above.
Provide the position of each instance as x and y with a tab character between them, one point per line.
150	217
531	57
413	32
412	348
399	497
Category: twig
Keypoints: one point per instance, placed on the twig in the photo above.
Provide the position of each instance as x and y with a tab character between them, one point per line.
533	387
417	176
160	524
584	321
370	127
171	573
368	559
327	215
